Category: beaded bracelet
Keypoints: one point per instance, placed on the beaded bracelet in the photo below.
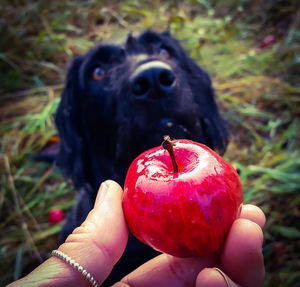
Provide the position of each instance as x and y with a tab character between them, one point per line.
75	265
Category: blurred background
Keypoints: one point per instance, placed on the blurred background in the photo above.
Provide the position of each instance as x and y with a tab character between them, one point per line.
251	50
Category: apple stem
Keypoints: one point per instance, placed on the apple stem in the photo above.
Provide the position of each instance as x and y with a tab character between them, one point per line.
168	145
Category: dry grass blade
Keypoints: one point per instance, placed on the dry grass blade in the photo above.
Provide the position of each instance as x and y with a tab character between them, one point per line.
16	198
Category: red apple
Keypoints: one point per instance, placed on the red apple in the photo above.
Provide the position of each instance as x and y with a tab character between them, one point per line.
187	212
55	216
268	41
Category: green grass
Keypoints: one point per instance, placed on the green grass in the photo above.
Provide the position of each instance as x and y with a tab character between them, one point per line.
257	90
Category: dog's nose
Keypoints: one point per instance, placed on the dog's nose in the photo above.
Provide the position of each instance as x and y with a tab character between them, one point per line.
153	79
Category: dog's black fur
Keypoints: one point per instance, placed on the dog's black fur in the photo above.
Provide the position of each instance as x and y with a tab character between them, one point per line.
142	89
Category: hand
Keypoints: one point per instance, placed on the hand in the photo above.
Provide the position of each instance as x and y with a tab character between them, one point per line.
100	241
241	259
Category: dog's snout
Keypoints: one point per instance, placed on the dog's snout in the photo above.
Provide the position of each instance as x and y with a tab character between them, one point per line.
153	79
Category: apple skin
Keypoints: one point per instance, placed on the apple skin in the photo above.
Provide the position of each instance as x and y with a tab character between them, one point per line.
184	214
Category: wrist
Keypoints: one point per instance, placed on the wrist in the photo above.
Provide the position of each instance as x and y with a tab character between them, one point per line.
53	272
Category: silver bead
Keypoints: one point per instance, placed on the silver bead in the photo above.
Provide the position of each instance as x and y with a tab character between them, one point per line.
80	269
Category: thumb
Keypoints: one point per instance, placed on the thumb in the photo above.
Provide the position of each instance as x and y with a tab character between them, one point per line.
101	239
96	245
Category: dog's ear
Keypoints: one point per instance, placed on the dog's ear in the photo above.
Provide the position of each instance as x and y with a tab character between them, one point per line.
67	120
214	127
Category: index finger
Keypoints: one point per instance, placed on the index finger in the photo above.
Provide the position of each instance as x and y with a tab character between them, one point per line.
166	270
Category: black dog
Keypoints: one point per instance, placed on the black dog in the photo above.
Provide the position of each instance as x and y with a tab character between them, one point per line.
119	101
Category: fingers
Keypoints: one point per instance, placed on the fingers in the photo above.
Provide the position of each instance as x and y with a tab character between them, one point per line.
242	257
237	246
166	270
214	277
100	241
253	213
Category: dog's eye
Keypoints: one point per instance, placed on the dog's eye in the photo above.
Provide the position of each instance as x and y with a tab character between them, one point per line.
98	74
164	53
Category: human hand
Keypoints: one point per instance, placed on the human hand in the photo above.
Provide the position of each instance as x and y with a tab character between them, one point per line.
240	260
100	241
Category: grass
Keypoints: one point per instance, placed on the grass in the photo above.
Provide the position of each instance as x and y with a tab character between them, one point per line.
257	89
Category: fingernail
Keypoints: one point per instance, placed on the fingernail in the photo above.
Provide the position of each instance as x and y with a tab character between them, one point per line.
101	193
223	275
